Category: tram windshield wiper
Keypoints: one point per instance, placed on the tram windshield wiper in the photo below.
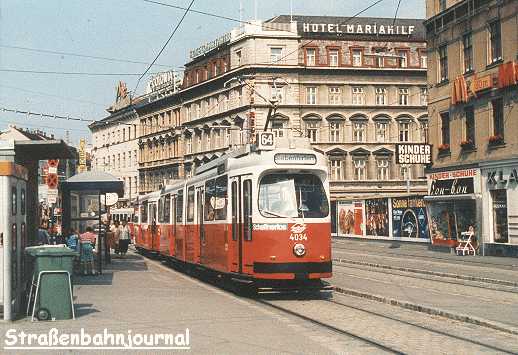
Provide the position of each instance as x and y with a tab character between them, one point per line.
274	213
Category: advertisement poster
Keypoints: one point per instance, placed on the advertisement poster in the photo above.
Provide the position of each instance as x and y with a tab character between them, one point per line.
409	218
377	217
350	218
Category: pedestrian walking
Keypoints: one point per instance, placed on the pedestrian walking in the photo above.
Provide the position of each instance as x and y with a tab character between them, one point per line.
43	235
124	237
116	235
87	241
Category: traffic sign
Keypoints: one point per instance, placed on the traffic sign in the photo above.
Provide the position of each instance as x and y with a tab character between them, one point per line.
52	195
52	181
53	163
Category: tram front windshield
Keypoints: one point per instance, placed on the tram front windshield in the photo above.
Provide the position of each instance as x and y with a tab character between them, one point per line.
292	195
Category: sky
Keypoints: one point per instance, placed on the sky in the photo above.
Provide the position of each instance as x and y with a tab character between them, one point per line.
128	30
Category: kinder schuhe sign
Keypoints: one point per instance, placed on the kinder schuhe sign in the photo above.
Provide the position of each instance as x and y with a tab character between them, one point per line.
413	153
458	182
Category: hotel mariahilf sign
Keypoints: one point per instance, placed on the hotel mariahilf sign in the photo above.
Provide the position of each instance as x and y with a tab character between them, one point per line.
355	29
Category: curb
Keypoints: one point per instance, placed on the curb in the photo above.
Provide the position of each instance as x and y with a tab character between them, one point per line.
428	272
429	310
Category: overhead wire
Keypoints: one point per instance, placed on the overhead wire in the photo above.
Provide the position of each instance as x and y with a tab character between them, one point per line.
47	51
165	44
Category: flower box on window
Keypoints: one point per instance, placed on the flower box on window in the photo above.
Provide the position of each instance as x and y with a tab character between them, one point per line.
444	148
496	139
467	144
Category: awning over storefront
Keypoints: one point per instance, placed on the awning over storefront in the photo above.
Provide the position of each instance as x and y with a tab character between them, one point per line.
452	197
44	149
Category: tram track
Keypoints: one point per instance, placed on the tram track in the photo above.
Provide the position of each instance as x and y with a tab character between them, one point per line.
327	326
290	307
461	261
427	329
437	277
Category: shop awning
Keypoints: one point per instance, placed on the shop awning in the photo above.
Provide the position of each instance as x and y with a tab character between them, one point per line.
452	197
44	149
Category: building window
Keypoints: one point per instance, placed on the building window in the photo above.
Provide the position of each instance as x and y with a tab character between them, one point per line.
278	128
238	58
423	97
424	131
357	57
381	131
336	169
188	145
380	60
405	172
404	131
467	46
334	132
470	125
358	95
403	96
333	57
359	168
500	225
334	95
312	131
277	93
311	56
381	96
423	60
359	131
442	5
275	54
495	41
445	129
443	63
383	169
498	117
403	58
311	95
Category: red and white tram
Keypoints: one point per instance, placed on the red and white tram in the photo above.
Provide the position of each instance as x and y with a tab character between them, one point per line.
258	217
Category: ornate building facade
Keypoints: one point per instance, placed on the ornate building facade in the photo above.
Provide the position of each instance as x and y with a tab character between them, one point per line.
473	80
354	89
114	144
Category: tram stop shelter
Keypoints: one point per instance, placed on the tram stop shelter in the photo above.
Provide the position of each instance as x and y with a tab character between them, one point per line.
83	201
19	159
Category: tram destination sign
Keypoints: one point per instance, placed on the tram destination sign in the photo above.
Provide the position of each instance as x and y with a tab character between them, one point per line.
418	153
295	158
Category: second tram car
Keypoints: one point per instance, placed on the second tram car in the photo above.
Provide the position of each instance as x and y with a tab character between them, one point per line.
254	216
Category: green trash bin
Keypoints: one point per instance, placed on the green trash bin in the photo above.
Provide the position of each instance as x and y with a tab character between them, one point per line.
52	286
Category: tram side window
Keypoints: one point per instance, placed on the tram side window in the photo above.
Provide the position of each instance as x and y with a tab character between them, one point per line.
179	207
167	208
143	212
190	204
161	209
221	197
210	200
247	209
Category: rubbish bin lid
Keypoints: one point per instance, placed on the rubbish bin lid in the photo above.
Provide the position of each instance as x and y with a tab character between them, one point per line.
50	250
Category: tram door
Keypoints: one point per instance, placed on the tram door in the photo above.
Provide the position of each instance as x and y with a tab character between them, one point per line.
154	228
200	226
241	204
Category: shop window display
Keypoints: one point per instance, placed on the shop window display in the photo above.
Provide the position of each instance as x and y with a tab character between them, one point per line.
450	218
500	227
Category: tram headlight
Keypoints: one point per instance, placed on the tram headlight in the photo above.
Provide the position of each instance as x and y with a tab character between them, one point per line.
299	249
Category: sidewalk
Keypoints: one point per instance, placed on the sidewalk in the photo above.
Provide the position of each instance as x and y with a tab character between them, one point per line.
144	296
417	256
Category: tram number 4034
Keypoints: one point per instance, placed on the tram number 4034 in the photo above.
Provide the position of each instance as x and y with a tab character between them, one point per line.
297	236
266	141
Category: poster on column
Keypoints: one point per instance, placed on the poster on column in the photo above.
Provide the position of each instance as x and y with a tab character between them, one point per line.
377	222
350	218
409	218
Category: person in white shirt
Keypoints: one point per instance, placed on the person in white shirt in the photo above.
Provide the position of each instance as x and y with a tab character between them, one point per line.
124	237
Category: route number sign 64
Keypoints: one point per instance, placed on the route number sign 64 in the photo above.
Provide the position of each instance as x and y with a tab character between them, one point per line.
266	141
